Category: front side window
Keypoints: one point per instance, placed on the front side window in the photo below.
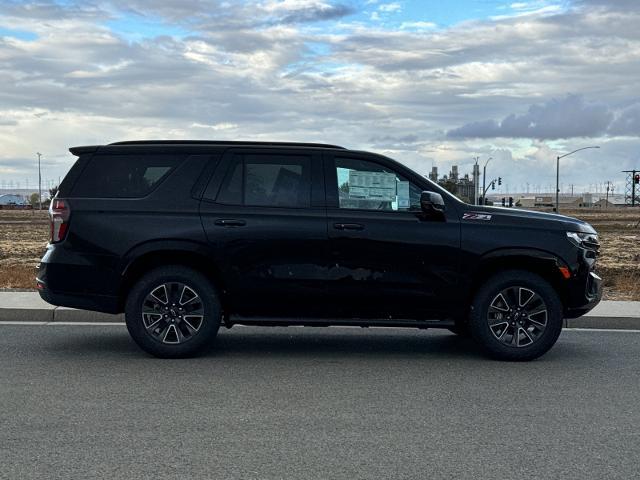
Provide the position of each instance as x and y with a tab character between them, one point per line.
267	181
365	185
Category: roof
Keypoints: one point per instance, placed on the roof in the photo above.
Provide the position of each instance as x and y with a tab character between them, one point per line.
92	148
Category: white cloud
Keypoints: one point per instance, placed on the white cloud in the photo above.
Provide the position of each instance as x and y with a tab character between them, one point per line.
266	70
390	7
421	25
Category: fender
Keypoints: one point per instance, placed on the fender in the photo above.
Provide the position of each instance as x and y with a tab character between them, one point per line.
165	245
527	252
540	261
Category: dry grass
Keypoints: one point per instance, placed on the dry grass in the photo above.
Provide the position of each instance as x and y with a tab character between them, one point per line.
18	276
620	284
619	262
24	235
23	238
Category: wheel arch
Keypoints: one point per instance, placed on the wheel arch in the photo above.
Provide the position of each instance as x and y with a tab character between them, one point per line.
545	264
148	256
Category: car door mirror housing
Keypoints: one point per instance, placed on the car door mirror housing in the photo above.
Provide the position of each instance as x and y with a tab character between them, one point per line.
431	202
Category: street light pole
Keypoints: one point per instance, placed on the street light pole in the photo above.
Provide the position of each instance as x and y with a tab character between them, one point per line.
484	181
39	183
558	174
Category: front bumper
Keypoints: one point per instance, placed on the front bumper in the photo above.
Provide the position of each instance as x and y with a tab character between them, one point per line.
584	294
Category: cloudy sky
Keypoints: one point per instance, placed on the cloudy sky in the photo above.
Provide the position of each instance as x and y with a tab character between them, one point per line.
425	82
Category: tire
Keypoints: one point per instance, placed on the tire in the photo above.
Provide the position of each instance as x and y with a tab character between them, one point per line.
173	312
504	306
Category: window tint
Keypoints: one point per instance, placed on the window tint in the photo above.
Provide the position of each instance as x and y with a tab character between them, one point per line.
268	181
123	176
231	189
365	185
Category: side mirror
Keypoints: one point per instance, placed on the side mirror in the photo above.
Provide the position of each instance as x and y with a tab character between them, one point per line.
431	202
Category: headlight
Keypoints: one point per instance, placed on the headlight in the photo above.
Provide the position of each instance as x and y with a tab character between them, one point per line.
584	240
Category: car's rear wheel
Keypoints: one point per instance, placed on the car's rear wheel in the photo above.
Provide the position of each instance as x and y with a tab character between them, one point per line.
516	315
173	312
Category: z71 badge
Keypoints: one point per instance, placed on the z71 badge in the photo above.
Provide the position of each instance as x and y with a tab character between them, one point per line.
476	216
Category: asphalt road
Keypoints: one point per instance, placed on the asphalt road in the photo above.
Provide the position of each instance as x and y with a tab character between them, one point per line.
84	402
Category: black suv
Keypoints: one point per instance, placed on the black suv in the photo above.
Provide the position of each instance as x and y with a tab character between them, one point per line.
185	236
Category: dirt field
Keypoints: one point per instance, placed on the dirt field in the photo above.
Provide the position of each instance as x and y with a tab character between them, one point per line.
23	238
24	235
619	262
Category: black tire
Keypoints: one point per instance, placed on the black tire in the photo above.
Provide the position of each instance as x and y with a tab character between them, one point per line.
487	322
184	329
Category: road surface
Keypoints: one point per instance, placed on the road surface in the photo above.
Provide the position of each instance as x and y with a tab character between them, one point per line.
302	403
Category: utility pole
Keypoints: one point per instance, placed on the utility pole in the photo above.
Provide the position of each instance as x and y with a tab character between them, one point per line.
606	203
632	176
39	182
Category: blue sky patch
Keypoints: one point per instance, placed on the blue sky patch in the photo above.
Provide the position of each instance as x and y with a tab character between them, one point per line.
19	34
135	28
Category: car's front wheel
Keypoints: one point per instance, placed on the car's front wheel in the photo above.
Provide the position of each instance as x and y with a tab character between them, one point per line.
173	312
516	315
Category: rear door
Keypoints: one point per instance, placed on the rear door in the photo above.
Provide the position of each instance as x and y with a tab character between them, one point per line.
263	212
387	257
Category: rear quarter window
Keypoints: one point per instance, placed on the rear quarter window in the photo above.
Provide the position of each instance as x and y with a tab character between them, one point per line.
124	176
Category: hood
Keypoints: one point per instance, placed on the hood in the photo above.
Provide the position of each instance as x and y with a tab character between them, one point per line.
518	217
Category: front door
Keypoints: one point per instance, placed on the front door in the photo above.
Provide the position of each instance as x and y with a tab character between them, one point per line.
388	258
263	213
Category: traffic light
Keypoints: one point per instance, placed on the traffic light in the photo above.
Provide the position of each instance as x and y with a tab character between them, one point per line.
510	201
499	180
493	185
636	179
503	201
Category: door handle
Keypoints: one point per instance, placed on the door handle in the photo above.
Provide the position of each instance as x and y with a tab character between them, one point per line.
348	226
230	222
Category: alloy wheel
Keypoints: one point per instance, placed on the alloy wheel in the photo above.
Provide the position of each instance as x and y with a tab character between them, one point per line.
172	313
517	316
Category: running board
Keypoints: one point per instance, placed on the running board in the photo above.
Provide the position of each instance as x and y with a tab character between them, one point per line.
333	322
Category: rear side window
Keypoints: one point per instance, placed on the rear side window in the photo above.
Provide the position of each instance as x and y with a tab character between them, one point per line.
267	181
124	176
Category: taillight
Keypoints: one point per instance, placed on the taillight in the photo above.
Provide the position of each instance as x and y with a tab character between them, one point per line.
59	213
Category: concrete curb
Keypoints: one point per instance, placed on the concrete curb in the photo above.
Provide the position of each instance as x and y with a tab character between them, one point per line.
29	307
71	315
63	314
615	323
56	314
26	315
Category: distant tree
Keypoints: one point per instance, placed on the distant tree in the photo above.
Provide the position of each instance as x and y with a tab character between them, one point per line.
449	185
344	187
34	199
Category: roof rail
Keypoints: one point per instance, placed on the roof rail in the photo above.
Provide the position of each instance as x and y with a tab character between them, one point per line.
225	142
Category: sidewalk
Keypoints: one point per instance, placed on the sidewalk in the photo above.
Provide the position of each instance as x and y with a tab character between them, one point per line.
29	307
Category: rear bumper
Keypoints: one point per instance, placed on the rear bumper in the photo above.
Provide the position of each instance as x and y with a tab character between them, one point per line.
72	280
96	303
